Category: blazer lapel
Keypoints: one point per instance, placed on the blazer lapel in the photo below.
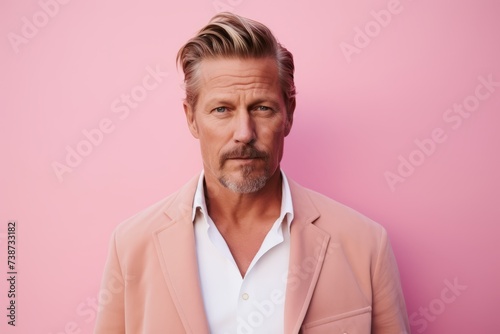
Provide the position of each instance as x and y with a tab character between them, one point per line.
176	249
308	246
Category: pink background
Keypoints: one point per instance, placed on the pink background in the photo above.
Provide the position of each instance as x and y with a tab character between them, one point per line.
355	116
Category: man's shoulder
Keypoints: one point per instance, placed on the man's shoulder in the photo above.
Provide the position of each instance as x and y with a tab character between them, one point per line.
338	219
157	215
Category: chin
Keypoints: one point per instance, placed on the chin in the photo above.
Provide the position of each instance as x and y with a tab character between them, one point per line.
244	185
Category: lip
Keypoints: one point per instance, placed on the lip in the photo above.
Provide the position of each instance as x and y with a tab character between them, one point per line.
242	159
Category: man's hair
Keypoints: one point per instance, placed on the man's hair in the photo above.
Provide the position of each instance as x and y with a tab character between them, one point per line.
232	36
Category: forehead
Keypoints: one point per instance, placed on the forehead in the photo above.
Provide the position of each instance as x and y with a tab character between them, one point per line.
231	74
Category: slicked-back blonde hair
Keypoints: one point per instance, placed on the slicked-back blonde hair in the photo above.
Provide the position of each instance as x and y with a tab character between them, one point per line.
230	35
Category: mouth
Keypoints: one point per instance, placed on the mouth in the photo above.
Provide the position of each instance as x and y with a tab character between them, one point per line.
243	159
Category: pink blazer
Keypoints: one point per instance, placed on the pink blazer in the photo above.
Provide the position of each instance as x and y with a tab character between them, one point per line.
343	275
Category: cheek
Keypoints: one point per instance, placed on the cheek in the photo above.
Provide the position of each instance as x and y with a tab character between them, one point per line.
271	130
210	148
274	140
278	140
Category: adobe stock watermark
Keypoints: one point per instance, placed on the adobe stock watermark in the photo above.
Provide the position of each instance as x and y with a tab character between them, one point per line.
120	109
31	26
437	306
226	5
364	35
86	310
266	308
453	118
262	310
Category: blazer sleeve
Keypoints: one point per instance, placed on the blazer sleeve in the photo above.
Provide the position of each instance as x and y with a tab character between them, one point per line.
111	310
389	309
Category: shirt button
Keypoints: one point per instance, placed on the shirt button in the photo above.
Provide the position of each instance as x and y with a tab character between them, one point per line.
245	296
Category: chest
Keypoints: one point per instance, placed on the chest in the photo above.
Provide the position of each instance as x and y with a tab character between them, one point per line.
253	301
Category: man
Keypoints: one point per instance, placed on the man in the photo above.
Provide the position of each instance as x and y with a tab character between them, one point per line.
241	248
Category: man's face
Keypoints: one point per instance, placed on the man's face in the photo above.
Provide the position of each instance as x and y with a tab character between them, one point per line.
241	121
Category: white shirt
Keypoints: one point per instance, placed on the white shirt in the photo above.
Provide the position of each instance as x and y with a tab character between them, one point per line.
254	303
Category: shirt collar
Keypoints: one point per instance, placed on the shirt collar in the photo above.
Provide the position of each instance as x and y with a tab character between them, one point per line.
286	200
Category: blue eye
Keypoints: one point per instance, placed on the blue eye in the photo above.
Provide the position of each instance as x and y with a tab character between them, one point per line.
220	109
263	108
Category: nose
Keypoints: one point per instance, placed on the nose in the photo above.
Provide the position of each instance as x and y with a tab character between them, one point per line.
244	131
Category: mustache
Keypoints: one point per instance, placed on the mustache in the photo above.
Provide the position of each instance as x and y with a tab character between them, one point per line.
246	152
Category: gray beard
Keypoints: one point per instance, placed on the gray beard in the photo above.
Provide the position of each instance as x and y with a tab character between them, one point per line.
248	185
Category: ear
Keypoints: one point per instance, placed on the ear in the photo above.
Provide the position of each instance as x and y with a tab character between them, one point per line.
288	122
189	112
